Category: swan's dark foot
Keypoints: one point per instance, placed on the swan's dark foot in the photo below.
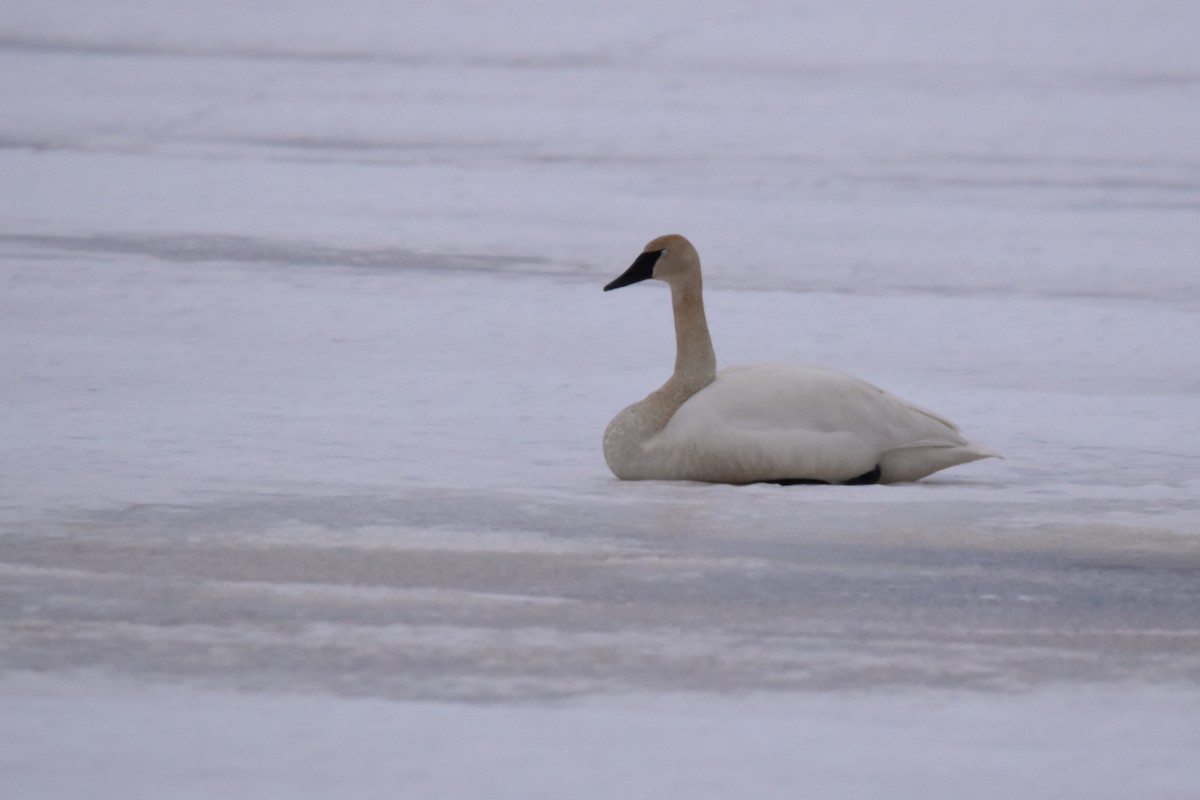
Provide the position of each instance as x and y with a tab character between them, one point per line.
866	478
862	480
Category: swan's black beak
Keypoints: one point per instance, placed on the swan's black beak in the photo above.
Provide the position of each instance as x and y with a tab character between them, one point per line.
641	269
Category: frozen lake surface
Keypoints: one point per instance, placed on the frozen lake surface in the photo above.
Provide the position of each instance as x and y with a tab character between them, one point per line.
307	363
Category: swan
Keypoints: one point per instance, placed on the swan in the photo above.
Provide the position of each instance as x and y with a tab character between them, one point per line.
780	424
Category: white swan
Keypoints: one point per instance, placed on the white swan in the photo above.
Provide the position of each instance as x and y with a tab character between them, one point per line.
765	424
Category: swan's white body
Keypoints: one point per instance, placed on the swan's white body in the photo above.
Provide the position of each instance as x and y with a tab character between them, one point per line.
752	424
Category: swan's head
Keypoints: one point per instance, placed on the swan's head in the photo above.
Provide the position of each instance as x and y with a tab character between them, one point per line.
668	258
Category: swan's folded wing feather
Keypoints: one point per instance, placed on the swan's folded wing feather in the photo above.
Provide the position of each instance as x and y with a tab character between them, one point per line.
793	422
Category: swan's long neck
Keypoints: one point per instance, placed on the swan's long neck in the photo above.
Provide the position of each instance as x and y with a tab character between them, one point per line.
695	362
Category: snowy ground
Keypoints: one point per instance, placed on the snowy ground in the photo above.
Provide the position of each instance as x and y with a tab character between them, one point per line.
306	365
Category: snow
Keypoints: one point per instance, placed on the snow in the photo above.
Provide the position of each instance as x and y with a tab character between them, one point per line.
306	365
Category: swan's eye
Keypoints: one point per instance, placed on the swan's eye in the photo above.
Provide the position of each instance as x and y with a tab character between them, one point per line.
663	252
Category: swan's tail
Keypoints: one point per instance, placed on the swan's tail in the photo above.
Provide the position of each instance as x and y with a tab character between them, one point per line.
919	459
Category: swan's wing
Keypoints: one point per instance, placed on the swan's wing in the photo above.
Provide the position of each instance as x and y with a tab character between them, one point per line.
933	415
818	398
790	422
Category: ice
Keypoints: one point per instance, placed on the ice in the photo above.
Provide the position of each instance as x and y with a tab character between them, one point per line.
306	364
188	743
